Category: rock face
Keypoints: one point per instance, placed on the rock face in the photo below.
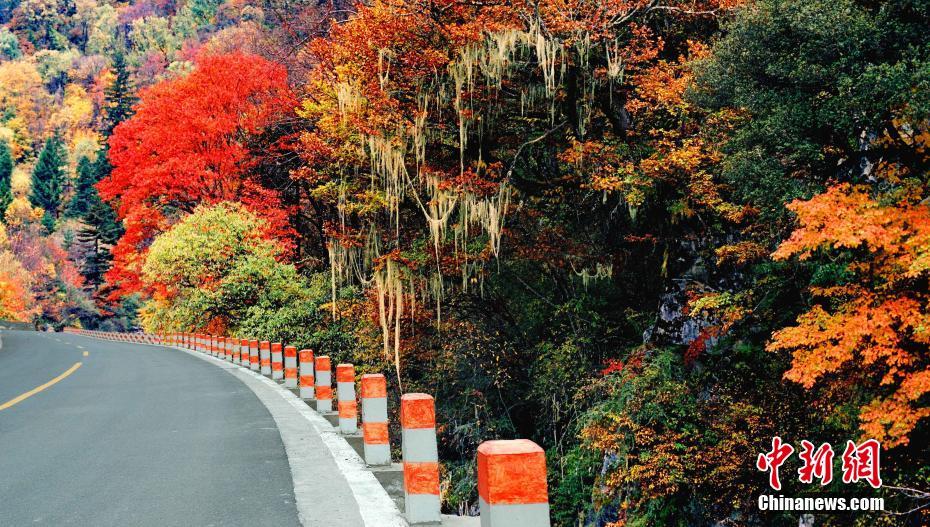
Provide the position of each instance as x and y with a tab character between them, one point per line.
673	326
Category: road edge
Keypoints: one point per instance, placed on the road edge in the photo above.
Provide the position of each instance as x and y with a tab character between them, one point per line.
379	509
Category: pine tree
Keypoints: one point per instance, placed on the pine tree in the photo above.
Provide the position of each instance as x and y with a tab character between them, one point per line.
84	189
101	226
119	95
101	230
6	174
48	178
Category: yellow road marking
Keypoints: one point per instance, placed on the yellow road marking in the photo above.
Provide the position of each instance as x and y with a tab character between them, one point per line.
86	354
38	389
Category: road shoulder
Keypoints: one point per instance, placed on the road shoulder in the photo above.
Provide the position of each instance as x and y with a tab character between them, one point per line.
332	485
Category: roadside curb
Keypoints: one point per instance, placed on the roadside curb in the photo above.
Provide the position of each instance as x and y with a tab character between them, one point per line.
374	505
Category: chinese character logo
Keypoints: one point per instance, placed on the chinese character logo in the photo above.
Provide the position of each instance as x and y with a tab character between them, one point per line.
860	462
774	459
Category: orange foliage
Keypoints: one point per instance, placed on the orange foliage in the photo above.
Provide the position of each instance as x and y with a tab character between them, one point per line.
875	329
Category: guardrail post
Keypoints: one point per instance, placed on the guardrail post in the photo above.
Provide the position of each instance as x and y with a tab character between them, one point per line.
242	358
264	354
253	355
306	375
512	484
377	447
345	391
324	384
290	367
277	362
421	458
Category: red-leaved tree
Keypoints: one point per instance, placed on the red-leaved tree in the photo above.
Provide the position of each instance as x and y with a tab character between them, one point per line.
194	139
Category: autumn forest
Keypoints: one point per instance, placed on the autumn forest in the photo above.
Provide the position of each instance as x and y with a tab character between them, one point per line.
650	235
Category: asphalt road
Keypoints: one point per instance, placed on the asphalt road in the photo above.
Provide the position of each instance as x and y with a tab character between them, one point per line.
135	436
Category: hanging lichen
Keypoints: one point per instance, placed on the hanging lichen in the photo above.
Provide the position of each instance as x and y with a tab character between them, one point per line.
399	160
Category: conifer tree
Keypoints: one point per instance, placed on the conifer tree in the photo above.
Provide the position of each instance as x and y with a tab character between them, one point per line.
101	230
119	95
48	178
84	190
6	174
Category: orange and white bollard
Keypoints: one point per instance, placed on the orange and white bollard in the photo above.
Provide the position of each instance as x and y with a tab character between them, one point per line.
253	355
323	386
512	484
376	446
264	355
305	380
277	361
290	367
421	458
236	351
221	348
243	352
345	393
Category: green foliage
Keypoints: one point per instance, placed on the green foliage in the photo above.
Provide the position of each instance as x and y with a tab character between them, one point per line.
100	231
84	190
818	80
572	475
119	96
6	173
9	45
217	267
48	178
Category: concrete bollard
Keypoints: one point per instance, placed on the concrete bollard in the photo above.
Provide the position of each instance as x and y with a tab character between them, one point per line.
323	386
228	349
277	361
221	349
376	446
306	374
512	484
213	345
253	355
236	351
290	367
243	352
421	458
264	356
345	392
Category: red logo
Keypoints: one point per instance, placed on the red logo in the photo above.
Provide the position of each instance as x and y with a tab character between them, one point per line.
861	462
774	459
